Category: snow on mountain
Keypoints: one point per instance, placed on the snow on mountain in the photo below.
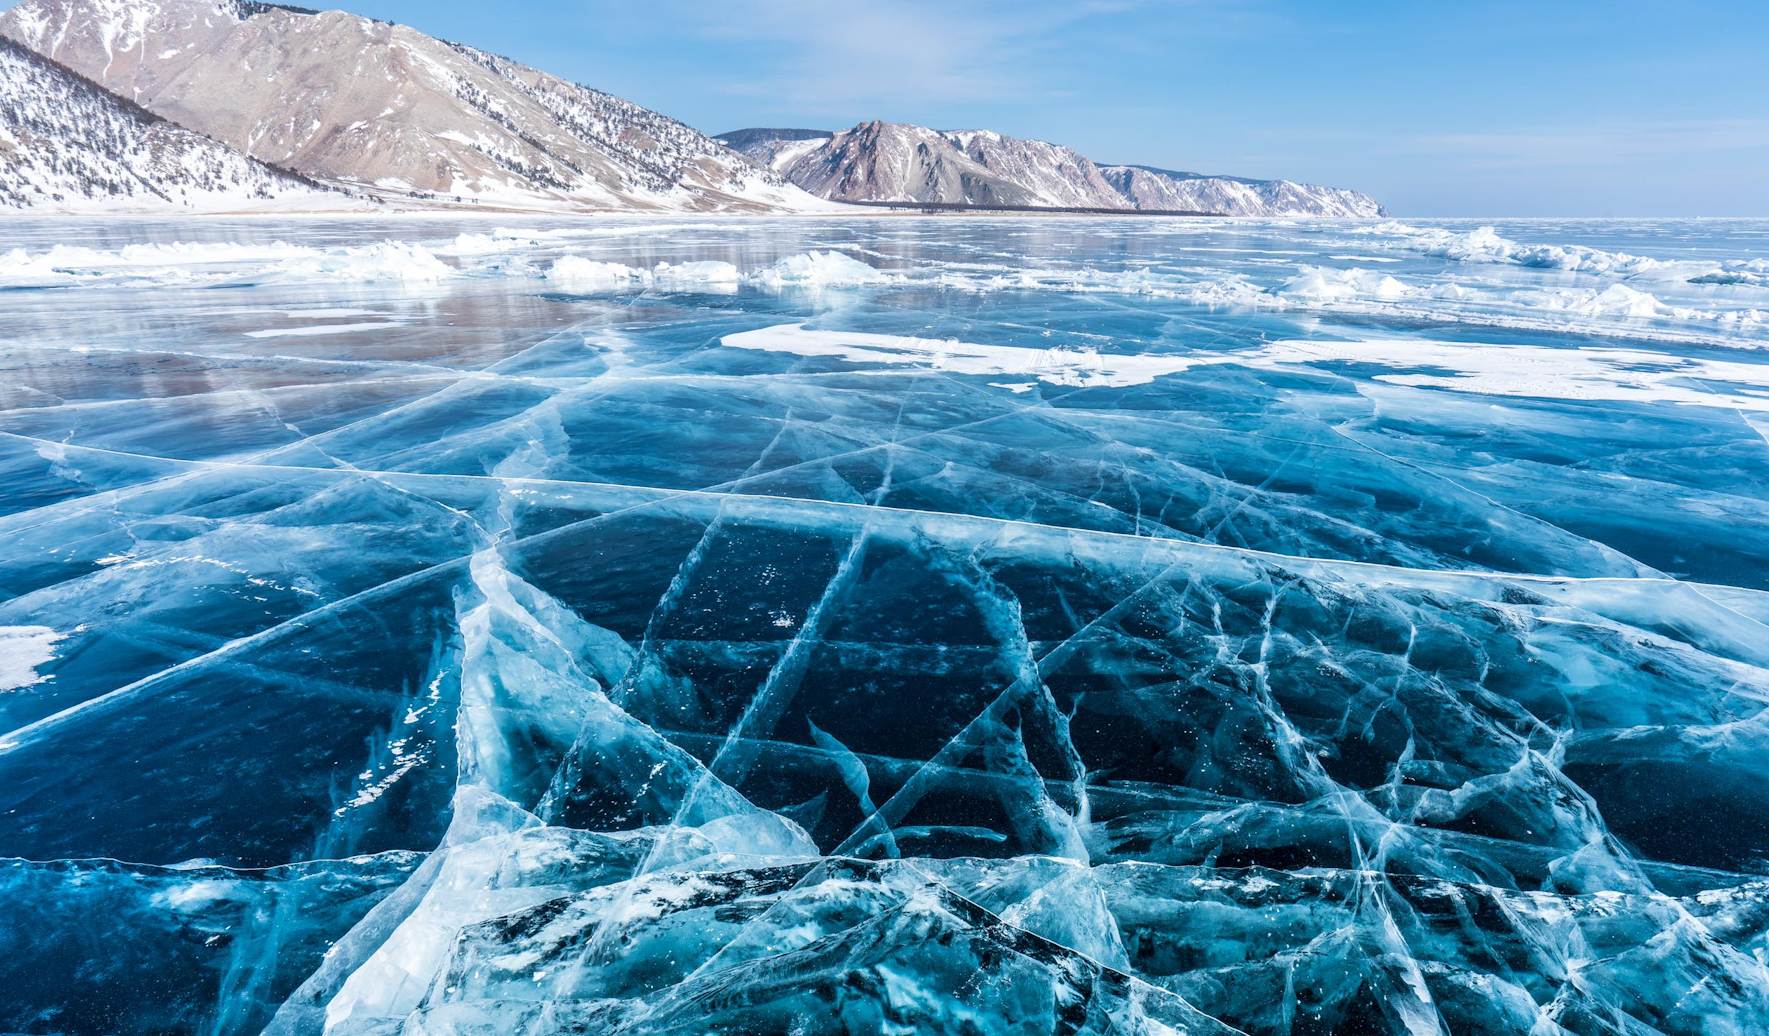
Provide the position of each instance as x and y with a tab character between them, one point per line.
1150	188
885	161
386	108
66	143
880	161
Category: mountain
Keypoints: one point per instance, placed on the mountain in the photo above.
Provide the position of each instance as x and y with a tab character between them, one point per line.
67	143
1149	188
386	108
887	161
881	161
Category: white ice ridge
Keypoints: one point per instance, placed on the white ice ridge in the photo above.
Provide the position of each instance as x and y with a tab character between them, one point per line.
816	269
1617	309
403	262
1487	245
22	650
181	261
1734	318
504	239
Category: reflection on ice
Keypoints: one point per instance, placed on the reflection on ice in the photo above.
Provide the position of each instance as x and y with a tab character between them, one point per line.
893	625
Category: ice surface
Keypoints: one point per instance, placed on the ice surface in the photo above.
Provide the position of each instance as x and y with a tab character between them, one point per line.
892	625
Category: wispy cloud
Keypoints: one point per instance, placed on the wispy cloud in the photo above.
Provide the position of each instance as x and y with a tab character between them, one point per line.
906	53
1585	145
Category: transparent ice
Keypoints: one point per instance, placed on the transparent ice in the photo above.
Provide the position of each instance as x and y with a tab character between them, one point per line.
892	625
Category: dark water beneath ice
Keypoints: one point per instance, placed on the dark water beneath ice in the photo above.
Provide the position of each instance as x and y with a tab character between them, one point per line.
933	625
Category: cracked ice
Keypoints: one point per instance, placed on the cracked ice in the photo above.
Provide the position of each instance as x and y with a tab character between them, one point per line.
1003	626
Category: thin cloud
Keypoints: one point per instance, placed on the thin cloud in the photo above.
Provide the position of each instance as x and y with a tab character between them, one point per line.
1588	145
900	54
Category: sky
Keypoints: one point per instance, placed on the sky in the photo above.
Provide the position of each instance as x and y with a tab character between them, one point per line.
1437	107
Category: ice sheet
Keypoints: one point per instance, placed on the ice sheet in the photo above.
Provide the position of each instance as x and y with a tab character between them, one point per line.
895	624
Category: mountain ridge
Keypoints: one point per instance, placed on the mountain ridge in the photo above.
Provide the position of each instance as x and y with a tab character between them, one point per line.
68	143
411	116
881	162
380	109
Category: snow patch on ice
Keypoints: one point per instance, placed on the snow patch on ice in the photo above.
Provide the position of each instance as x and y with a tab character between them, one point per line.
1620	375
1586	374
328	313
22	650
320	329
1079	367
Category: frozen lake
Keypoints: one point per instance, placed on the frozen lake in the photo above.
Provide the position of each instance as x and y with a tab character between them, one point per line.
1042	625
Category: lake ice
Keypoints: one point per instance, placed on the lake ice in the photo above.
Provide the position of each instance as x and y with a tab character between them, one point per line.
939	625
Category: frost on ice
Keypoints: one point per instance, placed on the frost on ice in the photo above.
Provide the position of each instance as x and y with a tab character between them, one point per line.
1013	627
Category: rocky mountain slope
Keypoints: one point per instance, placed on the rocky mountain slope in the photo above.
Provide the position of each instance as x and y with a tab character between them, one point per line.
387	108
885	161
66	143
880	161
1149	188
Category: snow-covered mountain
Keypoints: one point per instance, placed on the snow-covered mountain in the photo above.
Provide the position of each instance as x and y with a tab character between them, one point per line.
385	107
887	161
1150	188
66	143
880	161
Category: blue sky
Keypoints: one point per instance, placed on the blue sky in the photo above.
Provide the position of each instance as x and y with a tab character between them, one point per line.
1438	107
